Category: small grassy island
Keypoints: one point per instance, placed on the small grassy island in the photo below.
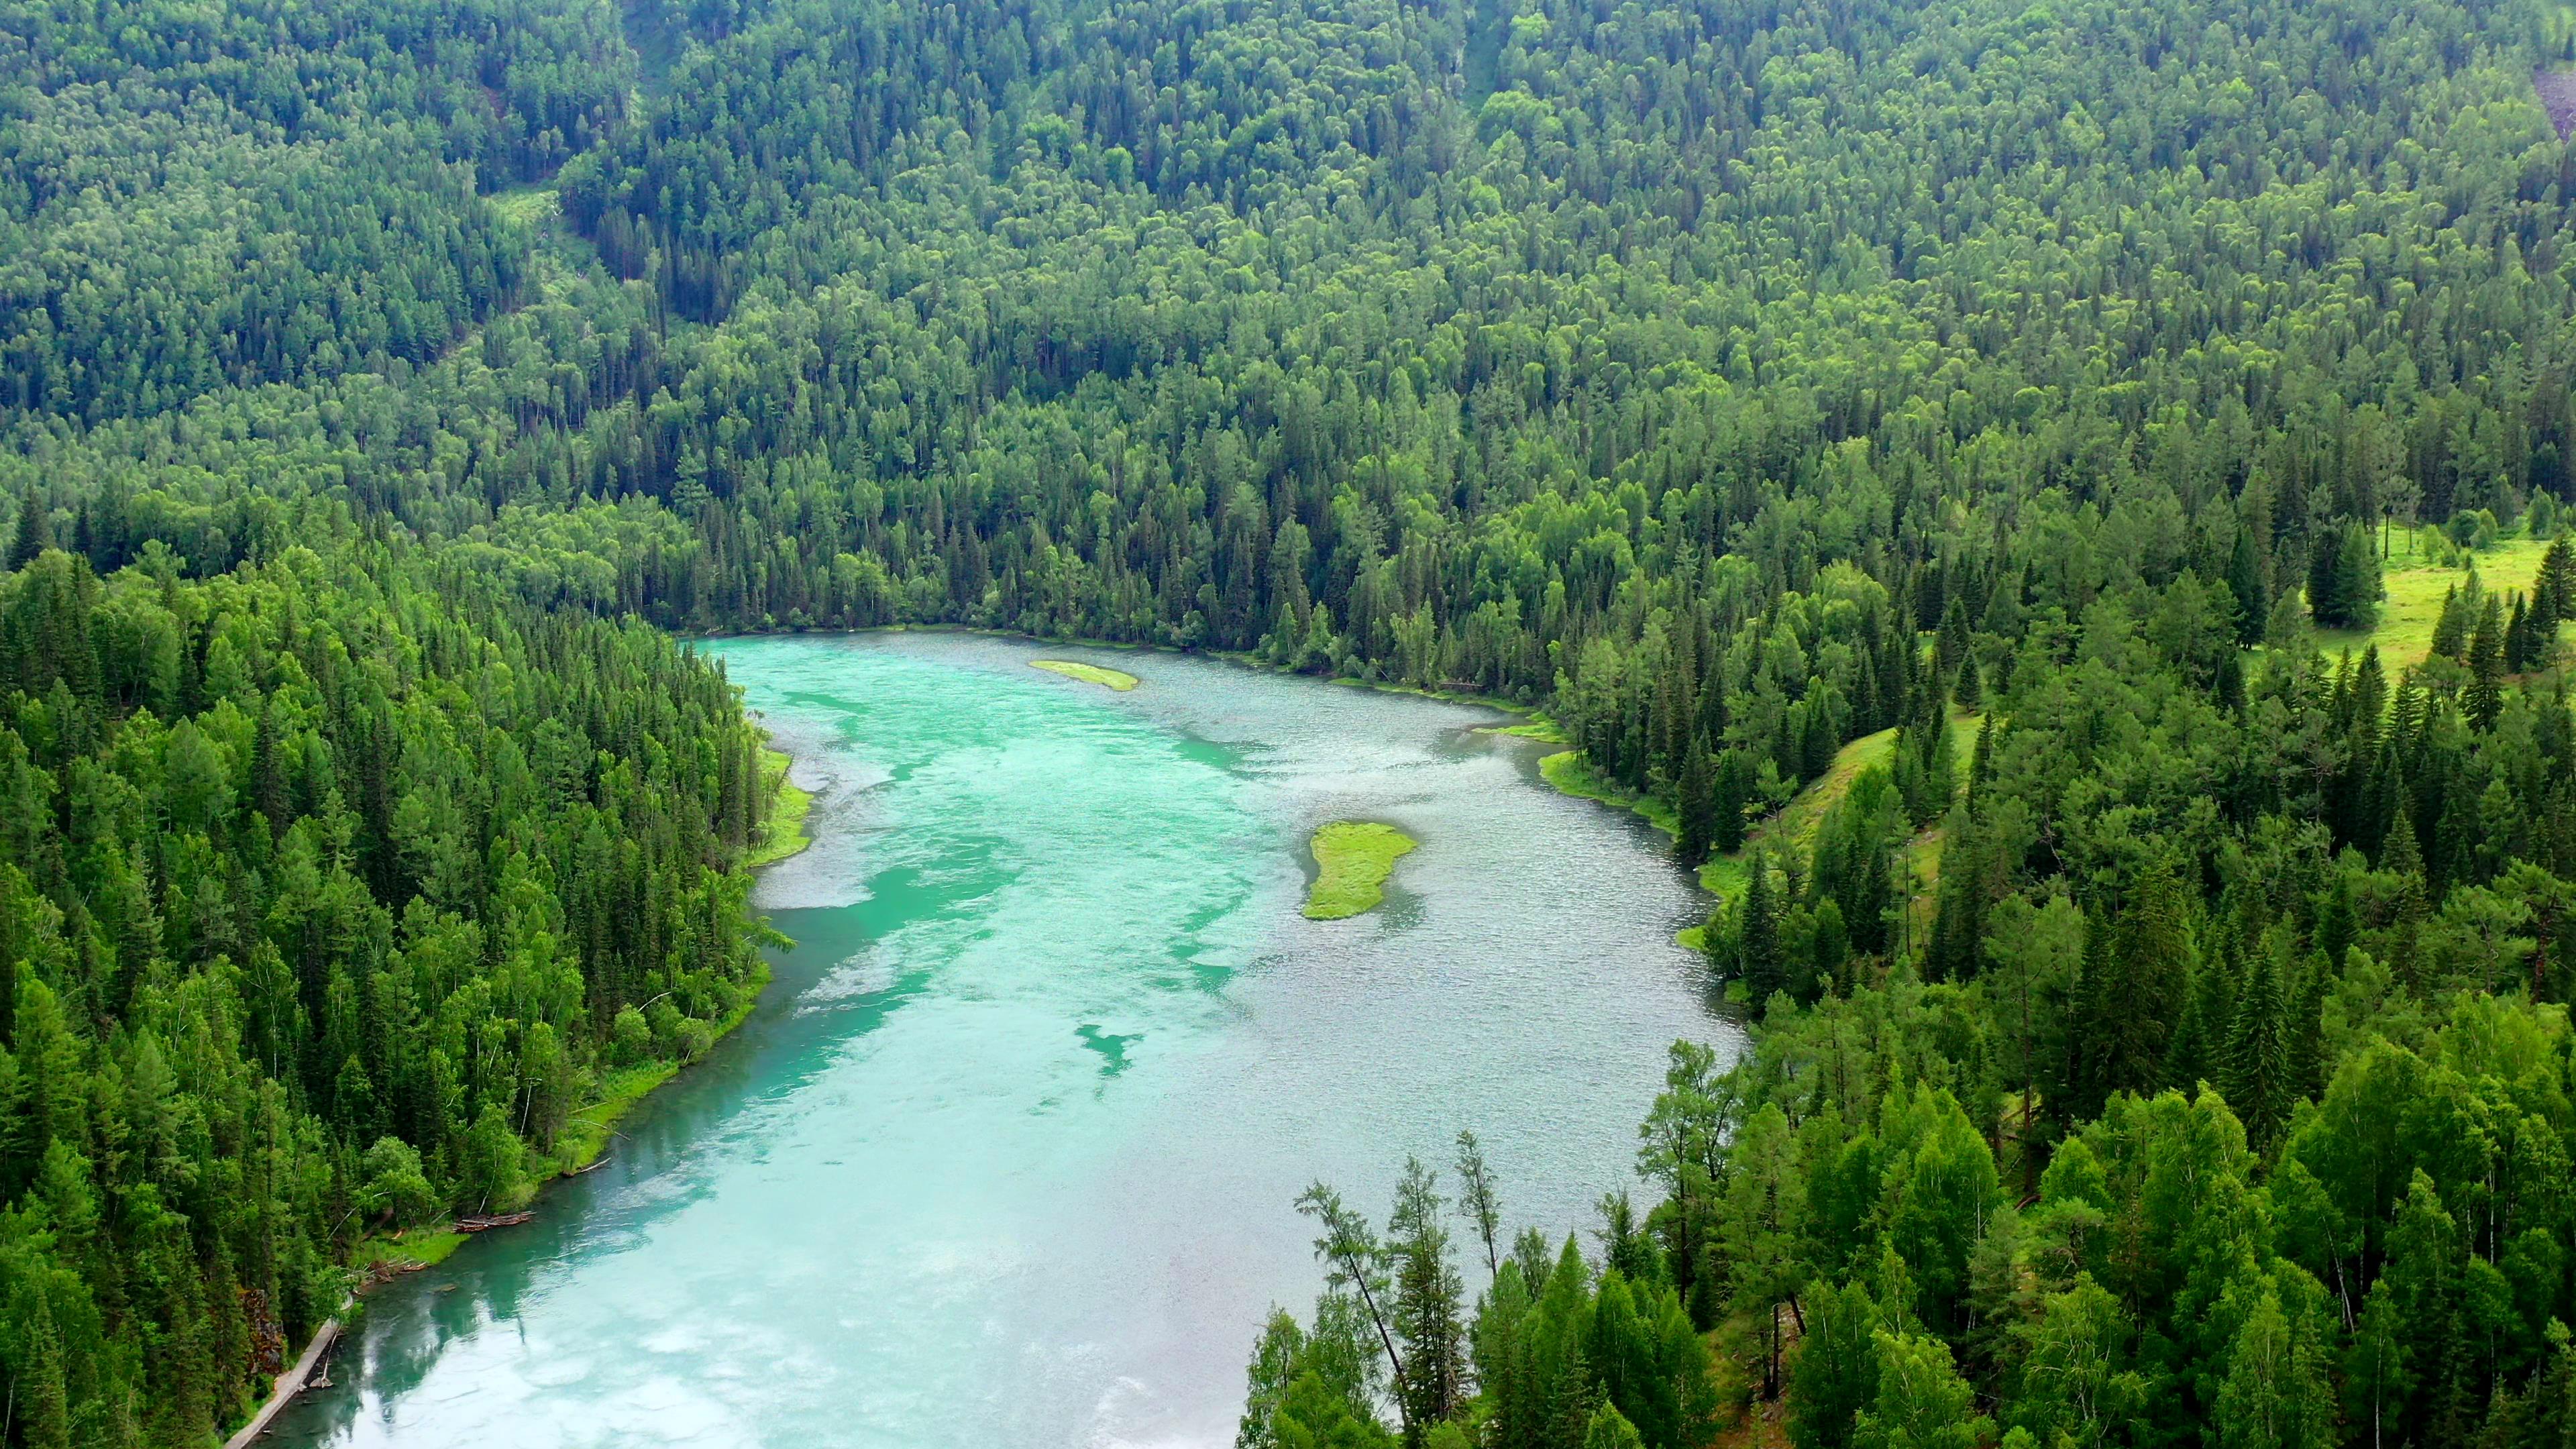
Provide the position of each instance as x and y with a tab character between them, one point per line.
1117	679
1354	858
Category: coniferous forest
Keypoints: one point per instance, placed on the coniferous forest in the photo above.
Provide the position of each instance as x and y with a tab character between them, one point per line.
2063	508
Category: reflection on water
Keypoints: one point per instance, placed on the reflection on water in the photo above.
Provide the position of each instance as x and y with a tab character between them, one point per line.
1004	1156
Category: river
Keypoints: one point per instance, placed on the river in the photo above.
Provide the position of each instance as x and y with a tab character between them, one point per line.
1004	1158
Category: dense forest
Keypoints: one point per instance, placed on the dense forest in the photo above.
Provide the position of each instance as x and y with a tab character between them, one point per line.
2062	506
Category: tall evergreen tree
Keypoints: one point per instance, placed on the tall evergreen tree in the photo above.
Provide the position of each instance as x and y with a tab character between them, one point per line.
1697	806
1759	959
2485	696
2257	1076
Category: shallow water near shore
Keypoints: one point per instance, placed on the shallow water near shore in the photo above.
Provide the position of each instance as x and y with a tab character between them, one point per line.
1004	1157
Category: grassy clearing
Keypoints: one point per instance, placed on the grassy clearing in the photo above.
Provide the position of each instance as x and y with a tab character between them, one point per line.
417	1248
2416	585
783	834
1117	679
1353	858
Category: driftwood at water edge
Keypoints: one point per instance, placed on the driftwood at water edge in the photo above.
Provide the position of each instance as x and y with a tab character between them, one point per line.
495	1220
289	1384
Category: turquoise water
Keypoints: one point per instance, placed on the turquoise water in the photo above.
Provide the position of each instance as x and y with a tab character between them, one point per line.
1004	1158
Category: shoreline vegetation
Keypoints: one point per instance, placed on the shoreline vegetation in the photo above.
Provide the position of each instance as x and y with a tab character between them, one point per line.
1117	679
1353	859
584	1139
782	830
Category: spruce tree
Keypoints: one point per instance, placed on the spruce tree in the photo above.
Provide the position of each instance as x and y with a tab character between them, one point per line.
1758	958
2256	1069
1428	1298
44	1406
2325	579
2451	629
31	536
2485	698
2253	591
2357	583
1734	790
2554	591
2150	968
1696	810
2517	638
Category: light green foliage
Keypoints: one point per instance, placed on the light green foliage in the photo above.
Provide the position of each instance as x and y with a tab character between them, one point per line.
393	1184
1353	858
1117	679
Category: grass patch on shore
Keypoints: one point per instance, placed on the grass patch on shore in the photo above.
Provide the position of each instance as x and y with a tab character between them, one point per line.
585	1134
418	1248
1353	858
1571	773
1793	828
2404	635
783	833
1117	679
1539	728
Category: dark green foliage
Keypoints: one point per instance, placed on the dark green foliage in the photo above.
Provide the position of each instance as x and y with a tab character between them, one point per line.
321	890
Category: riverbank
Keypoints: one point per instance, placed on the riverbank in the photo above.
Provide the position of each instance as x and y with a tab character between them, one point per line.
782	827
379	1258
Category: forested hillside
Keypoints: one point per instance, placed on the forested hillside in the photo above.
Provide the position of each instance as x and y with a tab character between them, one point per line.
1734	380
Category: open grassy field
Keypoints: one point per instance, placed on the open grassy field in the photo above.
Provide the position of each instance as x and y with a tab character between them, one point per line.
1117	679
1353	858
2416	584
